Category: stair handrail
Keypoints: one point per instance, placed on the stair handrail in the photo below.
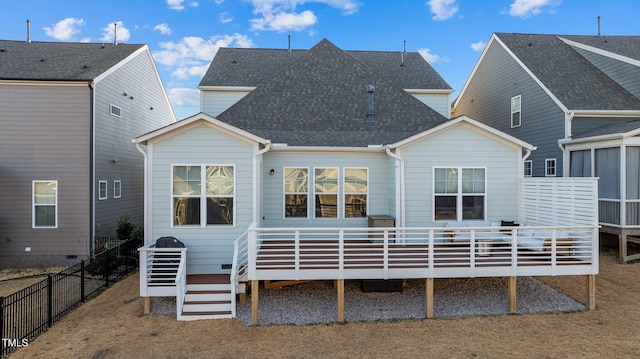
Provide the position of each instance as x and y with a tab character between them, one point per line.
181	284
239	264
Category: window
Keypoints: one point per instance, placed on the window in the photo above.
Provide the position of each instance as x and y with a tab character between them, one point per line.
516	112
115	110
102	190
355	192
550	167
528	168
326	192
45	204
203	195
459	193
296	192
117	189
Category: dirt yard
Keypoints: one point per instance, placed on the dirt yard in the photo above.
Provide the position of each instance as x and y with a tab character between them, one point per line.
113	326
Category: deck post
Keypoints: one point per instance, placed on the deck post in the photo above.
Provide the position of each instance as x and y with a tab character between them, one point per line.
340	285
254	302
622	250
429	298
512	294
147	305
591	292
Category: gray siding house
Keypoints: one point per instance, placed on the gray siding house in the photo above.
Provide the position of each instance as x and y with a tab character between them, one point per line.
68	112
577	99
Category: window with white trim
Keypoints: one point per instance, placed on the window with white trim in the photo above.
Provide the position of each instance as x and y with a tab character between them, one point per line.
117	189
356	190
45	204
102	190
296	192
326	192
516	111
203	195
528	168
550	167
459	193
115	110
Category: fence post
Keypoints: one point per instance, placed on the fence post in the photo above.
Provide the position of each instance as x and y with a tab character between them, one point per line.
50	300
106	268
2	325
82	281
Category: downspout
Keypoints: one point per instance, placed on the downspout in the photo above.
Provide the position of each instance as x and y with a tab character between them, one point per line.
257	175
400	176
147	226
92	166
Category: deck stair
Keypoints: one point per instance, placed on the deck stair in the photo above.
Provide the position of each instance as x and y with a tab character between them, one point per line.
208	296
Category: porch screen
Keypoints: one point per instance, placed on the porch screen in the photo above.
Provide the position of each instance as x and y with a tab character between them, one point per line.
607	163
459	193
581	163
633	172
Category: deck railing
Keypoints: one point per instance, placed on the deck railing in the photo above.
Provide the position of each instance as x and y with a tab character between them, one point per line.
159	270
181	287
239	266
438	252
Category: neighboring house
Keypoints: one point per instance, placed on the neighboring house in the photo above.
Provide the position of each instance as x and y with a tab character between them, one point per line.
68	112
577	99
320	151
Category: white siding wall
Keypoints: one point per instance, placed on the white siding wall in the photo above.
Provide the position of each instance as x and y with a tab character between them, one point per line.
216	102
438	102
460	146
207	248
380	186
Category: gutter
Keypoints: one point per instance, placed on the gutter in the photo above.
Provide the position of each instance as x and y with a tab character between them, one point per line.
401	205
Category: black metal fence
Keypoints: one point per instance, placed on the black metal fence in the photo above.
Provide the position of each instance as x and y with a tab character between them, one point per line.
32	310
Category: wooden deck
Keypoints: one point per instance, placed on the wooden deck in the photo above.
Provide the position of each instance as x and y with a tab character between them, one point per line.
208	279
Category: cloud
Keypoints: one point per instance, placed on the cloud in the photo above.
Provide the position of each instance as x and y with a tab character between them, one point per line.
442	9
478	46
431	58
64	29
225	17
281	15
179	4
191	55
529	8
121	32
163	28
184	96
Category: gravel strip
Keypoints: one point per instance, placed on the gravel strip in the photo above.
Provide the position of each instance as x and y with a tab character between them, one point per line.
316	302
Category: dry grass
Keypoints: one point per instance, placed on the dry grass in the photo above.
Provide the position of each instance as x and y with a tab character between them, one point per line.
113	326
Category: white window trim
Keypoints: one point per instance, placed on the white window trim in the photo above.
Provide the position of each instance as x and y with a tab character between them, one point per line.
512	112
546	167
117	190
458	195
111	107
345	193
106	190
284	193
203	197
530	162
337	193
33	205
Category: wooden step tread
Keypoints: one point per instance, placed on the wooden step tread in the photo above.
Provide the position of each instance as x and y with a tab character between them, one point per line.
209	292
197	302
207	313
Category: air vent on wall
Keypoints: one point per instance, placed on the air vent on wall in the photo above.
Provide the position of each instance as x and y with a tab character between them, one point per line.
115	110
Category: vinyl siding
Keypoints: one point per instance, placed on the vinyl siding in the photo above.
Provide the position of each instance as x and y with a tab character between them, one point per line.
210	247
626	75
487	98
460	146
438	102
216	102
137	78
380	186
44	135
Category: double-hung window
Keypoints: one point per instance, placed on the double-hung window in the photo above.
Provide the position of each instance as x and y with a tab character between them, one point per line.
45	204
203	195
326	192
296	192
356	190
102	190
528	168
550	167
459	193
516	111
117	189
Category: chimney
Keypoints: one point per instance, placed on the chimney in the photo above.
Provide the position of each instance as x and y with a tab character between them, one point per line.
370	91
289	36
115	34
28	31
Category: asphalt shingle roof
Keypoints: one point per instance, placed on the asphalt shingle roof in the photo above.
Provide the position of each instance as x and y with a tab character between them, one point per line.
610	129
253	67
320	99
628	46
570	77
59	61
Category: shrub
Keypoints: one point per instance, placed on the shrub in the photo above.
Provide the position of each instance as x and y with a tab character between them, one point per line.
125	228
